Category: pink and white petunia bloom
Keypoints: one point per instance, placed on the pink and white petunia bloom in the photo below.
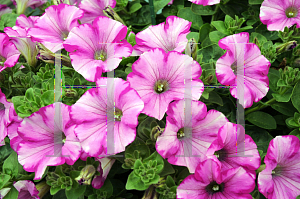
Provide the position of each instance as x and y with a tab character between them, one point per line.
205	2
170	36
9	54
104	168
252	80
233	148
4	9
210	182
280	14
100	48
4	117
18	35
186	144
159	78
53	28
94	8
48	139
12	128
281	178
22	5
26	189
107	109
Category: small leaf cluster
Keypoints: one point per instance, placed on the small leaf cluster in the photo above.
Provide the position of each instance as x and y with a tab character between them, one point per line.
168	189
58	182
288	77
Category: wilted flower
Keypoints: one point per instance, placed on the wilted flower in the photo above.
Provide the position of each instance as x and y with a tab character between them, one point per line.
26	189
104	168
159	78
280	14
170	36
86	175
9	54
203	128
209	182
280	179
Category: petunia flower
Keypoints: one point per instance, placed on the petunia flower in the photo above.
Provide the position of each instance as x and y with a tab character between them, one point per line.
4	117
94	8
9	54
100	48
12	128
104	168
53	27
26	189
4	9
95	111
281	178
205	2
210	182
233	148
170	36
280	14
158	77
202	131
18	35
171	2
42	145
23	4
253	79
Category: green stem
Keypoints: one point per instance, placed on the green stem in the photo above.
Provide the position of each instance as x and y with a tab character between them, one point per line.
152	12
214	17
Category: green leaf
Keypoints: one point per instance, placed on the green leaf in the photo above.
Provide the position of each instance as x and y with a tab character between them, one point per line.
30	95
4	179
167	170
234	7
60	195
53	190
215	36
284	108
298	197
170	10
75	193
283	97
48	97
204	32
215	98
18	101
273	76
138	144
158	158
143	17
270	35
220	26
295	132
12	164
159	4
187	14
8	20
260	136
134	6
12	194
296	96
255	2
193	35
170	181
210	52
202	10
262	119
135	182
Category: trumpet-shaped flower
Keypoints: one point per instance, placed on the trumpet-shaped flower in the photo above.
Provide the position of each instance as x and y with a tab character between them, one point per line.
170	36
4	9
253	80
205	2
210	182
186	144
22	5
279	14
9	54
100	48
105	110
281	177
53	28
159	78
233	148
104	168
4	117
26	189
94	8
48	139
18	35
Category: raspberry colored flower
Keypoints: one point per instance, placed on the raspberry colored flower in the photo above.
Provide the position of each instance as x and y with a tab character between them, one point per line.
93	113
174	141
281	178
158	77
231	148
42	145
26	189
9	54
94	8
104	168
170	36
171	2
279	14
210	183
18	35
23	4
12	128
4	117
100	48
4	9
54	26
205	2
256	68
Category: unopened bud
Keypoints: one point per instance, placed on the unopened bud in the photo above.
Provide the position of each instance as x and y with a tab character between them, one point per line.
71	93
43	188
156	131
191	48
109	12
86	175
286	46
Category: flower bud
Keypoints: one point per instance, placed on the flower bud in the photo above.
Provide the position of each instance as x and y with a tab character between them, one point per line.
150	193
191	48
286	46
86	175
71	93
43	188
156	131
109	12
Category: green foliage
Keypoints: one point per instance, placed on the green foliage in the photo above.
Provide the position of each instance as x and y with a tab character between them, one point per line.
186	13
8	20
262	119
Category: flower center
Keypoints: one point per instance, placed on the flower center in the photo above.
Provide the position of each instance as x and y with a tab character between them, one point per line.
64	35
234	67
214	187
276	171
291	12
64	138
100	55
118	114
161	86
2	60
2	107
180	133
221	154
